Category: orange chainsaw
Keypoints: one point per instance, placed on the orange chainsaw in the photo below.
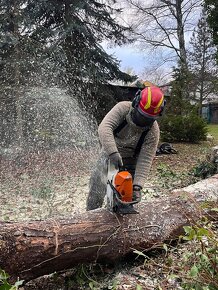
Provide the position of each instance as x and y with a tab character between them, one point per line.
120	191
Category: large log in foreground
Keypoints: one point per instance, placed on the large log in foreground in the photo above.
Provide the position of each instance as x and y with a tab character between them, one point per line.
29	250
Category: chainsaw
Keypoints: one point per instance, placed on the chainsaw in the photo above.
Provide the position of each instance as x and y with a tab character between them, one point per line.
120	191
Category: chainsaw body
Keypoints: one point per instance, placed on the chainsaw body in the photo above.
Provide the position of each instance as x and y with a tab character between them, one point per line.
120	191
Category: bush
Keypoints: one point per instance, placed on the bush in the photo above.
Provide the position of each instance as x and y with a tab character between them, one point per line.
192	263
5	285
188	128
199	265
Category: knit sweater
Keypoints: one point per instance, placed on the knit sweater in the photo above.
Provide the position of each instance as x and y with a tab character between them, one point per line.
126	140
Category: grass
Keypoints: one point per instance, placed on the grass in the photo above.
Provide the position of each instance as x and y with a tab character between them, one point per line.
213	130
32	190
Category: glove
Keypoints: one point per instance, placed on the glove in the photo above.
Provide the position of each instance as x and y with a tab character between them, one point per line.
137	195
116	160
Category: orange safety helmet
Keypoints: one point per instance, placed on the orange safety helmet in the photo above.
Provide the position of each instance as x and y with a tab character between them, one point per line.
149	102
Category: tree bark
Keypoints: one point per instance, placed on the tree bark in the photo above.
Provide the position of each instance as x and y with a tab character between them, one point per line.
30	250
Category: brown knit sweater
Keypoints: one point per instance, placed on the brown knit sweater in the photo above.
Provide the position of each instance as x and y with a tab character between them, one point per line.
127	139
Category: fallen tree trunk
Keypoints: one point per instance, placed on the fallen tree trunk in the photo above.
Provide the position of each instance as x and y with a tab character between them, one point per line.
29	250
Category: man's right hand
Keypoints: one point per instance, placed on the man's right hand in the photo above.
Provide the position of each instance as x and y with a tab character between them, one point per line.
137	194
116	160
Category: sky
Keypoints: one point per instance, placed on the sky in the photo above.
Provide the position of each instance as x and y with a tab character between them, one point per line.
141	63
129	57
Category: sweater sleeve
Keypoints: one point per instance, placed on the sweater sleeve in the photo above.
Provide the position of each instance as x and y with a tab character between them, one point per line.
146	155
110	122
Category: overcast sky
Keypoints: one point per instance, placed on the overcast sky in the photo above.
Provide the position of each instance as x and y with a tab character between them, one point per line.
129	57
141	63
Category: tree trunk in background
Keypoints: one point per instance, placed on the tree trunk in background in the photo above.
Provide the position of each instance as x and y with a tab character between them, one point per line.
180	34
16	60
182	50
30	250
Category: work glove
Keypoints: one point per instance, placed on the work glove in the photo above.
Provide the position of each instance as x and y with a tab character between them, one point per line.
116	160
137	194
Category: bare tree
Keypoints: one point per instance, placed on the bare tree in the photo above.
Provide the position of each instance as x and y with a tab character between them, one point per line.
157	76
165	25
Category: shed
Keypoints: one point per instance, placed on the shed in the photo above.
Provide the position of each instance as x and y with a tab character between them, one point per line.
210	112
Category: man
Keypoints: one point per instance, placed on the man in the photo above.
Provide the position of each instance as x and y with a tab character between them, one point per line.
129	135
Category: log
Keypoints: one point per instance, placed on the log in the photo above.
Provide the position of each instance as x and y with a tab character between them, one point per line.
32	249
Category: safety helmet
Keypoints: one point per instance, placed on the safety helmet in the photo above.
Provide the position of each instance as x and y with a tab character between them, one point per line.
149	102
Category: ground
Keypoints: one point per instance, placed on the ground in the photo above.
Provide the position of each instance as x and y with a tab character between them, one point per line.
44	185
55	184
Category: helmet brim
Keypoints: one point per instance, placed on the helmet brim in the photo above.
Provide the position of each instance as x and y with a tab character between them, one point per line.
154	117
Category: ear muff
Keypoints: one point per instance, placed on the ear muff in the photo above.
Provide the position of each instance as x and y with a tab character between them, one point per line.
136	99
162	108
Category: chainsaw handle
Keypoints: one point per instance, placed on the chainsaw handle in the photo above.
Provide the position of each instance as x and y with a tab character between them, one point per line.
125	202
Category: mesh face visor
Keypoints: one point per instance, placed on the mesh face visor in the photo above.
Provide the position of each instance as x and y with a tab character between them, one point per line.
141	119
